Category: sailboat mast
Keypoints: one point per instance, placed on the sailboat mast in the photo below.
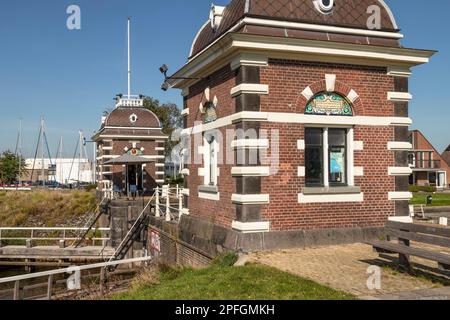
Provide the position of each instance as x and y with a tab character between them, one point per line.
42	152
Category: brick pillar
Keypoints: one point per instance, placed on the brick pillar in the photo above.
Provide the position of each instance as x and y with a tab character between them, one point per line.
401	157
246	157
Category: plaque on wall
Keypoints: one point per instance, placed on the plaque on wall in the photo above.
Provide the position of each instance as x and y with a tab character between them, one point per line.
210	113
330	104
134	152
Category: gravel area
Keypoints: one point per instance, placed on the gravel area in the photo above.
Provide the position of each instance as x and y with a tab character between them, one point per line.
345	268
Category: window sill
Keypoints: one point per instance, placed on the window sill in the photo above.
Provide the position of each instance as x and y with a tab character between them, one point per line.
208	189
331	190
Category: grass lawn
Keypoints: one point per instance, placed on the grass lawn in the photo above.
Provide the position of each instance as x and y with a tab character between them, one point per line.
221	282
44	207
439	199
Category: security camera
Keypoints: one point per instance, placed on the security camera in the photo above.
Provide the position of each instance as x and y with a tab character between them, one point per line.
163	69
165	86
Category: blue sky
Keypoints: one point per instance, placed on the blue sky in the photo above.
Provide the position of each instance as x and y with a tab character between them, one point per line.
71	77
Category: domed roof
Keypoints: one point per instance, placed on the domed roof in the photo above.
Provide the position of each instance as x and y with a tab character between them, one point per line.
345	13
132	117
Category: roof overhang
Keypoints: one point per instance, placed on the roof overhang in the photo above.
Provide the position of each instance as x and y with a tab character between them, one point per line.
128	159
223	50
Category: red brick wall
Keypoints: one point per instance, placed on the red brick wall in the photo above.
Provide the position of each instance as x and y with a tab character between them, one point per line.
286	80
221	212
150	169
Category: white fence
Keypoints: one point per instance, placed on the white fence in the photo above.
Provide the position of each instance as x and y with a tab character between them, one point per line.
73	282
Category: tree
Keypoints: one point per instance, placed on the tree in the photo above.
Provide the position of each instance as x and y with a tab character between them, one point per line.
11	167
170	116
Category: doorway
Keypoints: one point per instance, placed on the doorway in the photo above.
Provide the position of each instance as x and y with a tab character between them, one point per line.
442	180
134	181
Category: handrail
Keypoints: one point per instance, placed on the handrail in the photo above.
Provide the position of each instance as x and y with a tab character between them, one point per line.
50	229
72	269
89	223
35	236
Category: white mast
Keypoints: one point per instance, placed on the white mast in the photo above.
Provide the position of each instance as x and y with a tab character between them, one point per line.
42	151
19	149
129	58
80	155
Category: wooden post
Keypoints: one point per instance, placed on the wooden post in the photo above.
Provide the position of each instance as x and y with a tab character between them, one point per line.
157	214
102	282
17	290
404	259
50	287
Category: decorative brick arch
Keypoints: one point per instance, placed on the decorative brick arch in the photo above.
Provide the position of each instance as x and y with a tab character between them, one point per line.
339	88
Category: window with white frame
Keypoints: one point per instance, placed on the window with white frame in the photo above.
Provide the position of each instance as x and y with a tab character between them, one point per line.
210	160
329	157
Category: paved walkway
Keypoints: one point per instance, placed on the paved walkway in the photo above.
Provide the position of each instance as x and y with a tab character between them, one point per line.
345	268
429	294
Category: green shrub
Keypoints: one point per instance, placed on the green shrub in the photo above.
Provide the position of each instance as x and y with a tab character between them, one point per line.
91	187
226	260
415	189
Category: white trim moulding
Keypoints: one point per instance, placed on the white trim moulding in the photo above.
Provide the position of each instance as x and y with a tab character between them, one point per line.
301	171
301	145
399	96
400	196
358	145
250	144
330	198
251	88
400	146
250	198
358	171
250	171
299	119
400	171
251	227
209	196
249	59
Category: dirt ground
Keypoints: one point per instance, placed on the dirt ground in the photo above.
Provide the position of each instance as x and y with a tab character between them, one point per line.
345	268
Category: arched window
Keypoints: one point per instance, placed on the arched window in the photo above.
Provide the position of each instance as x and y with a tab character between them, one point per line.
330	104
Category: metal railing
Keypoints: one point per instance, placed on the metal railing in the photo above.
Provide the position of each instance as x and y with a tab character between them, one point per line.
48	234
74	282
427	164
170	212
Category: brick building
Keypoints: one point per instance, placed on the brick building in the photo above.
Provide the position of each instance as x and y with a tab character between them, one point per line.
130	149
446	155
316	94
428	165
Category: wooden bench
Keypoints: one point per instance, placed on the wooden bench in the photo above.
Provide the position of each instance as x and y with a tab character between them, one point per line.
405	233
